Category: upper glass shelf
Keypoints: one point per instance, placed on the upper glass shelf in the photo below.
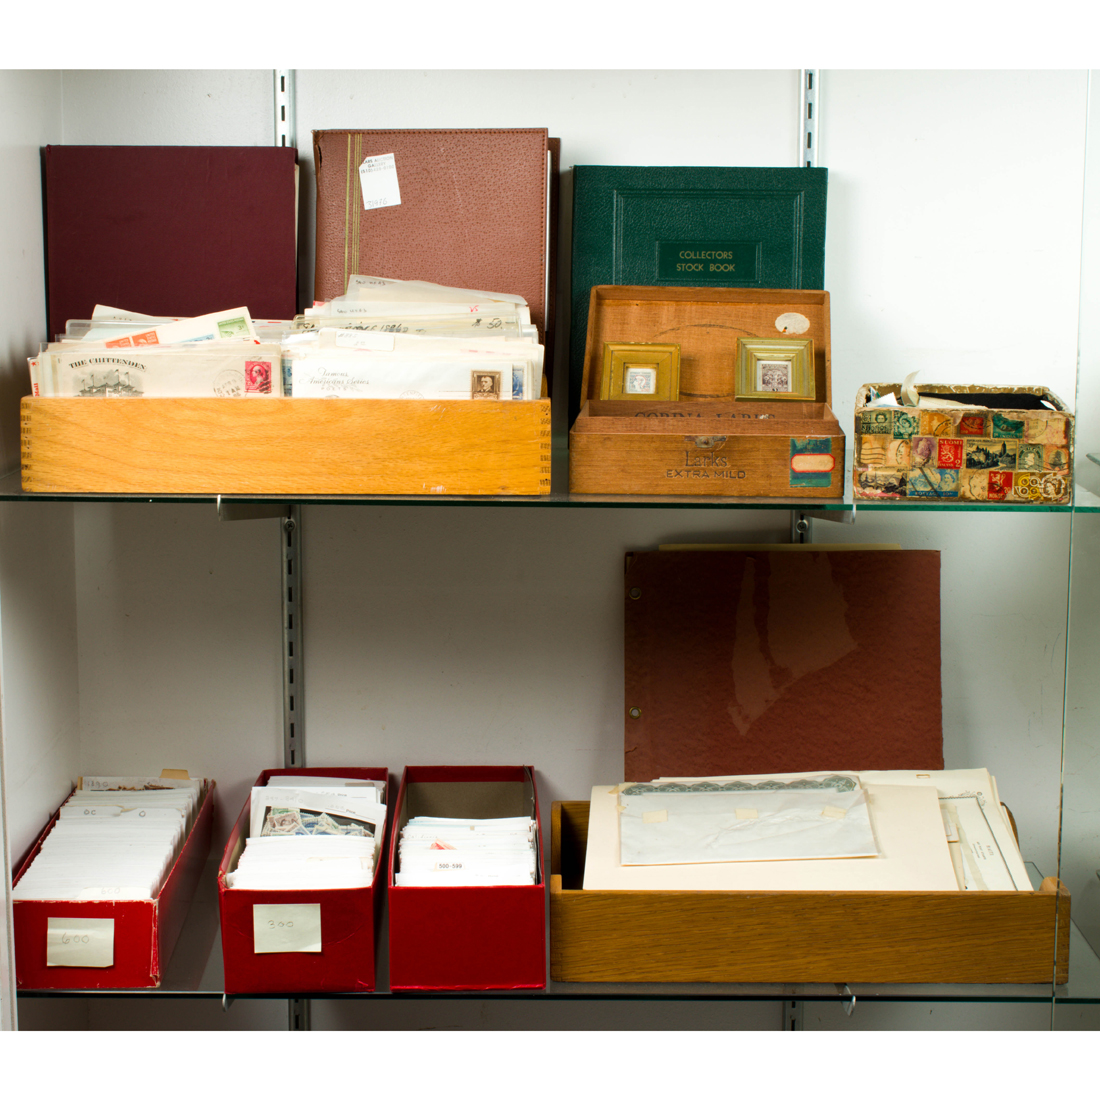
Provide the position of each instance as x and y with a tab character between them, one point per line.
11	490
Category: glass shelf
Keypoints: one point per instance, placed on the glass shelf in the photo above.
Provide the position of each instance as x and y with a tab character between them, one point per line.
195	970
11	490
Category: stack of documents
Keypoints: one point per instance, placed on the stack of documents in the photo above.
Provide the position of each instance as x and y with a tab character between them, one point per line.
388	338
891	830
116	839
311	833
452	851
127	355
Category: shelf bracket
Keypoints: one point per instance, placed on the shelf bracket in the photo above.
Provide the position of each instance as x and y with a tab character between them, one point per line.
850	1001
792	1020
299	1015
244	509
294	727
802	521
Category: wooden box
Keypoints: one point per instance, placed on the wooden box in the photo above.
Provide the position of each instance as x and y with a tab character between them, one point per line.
707	443
794	936
285	445
1016	448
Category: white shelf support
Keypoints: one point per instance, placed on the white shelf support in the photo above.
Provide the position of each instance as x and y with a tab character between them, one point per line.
284	107
810	117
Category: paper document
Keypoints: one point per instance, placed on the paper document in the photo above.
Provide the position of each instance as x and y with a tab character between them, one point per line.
907	827
236	367
981	840
443	851
708	822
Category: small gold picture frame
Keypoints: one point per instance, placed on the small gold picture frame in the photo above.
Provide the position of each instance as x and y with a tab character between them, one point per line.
774	370
640	372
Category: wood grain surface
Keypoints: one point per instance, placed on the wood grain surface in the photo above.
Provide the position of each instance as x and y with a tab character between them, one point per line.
285	446
819	936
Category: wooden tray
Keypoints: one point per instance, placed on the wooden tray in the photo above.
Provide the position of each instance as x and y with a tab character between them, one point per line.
842	937
707	443
285	445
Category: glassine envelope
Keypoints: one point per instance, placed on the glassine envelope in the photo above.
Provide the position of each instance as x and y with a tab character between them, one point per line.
908	830
776	821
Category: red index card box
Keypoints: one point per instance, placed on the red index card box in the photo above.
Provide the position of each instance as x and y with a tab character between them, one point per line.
467	937
144	932
349	919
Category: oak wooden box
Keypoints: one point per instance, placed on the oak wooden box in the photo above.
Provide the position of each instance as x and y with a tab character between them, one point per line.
285	445
707	443
1014	446
794	936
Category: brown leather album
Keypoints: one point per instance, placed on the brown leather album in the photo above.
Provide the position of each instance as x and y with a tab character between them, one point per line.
743	662
474	211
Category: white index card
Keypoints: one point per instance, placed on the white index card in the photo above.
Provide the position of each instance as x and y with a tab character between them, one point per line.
378	180
80	941
278	928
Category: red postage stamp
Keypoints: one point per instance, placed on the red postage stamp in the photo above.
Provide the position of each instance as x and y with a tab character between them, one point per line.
949	454
257	376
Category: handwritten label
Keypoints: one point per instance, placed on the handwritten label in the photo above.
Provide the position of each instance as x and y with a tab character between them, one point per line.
80	941
357	338
378	180
277	928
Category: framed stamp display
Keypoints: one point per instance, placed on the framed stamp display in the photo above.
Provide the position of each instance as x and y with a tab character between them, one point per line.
775	370
646	372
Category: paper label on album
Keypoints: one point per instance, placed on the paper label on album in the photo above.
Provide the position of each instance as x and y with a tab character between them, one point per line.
378	179
80	941
277	928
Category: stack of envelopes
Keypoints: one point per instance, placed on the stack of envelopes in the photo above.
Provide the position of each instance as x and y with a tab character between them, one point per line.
874	830
311	833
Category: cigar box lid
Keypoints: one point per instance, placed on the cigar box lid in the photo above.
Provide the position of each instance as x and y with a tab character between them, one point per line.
741	662
706	322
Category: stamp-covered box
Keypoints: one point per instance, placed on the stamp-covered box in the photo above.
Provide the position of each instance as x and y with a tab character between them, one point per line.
143	932
1001	444
707	443
349	919
285	445
467	937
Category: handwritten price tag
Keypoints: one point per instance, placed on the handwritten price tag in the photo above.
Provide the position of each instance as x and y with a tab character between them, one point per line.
80	941
277	928
378	181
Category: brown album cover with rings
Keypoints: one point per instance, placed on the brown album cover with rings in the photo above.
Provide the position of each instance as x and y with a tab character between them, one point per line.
743	662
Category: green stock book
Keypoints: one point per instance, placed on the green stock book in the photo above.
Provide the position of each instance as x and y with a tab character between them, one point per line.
671	226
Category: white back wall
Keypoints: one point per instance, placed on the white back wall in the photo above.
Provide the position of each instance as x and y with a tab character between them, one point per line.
439	634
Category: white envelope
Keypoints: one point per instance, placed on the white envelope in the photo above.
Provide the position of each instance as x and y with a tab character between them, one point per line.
908	830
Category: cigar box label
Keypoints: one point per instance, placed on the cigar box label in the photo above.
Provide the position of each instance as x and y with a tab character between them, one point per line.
812	463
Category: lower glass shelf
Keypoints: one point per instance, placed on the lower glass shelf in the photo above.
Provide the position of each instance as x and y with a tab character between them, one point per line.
195	970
